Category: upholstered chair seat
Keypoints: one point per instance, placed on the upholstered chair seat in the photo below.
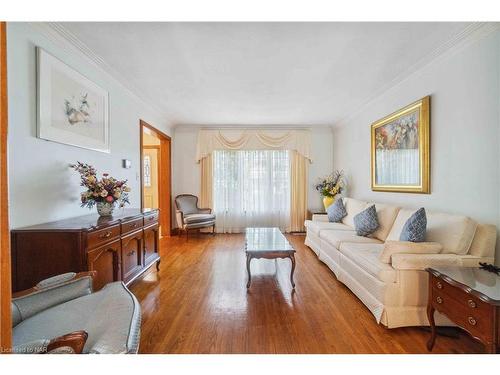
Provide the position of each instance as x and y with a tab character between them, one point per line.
198	218
111	316
190	216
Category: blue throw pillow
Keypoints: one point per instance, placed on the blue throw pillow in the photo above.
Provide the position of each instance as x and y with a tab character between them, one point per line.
415	227
366	222
336	212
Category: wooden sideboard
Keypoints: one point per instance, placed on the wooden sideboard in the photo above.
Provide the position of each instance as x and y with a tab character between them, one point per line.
120	247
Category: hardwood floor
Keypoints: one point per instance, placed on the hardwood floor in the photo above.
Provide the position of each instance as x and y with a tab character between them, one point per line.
198	303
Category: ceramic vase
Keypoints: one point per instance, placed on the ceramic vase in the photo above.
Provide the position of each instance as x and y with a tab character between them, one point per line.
105	208
327	201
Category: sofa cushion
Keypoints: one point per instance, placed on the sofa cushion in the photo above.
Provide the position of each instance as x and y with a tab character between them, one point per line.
366	222
353	207
406	247
386	215
415	227
336	212
198	218
336	237
317	226
454	232
111	317
367	256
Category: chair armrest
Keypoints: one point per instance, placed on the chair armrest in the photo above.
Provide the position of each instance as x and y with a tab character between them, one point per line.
50	292
72	343
205	210
320	217
53	282
423	261
179	215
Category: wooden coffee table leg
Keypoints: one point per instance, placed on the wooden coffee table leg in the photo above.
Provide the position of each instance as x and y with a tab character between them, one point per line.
292	258
249	258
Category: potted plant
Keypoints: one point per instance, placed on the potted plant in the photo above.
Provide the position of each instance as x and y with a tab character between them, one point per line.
104	192
330	186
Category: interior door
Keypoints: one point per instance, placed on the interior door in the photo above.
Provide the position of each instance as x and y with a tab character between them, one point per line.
150	178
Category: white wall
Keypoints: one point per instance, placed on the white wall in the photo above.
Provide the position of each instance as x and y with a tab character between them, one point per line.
464	87
41	186
186	172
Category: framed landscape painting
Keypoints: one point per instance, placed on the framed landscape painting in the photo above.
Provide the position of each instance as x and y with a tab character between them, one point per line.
400	150
71	109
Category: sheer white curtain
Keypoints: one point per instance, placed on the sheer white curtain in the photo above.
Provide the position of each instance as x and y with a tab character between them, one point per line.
251	189
398	167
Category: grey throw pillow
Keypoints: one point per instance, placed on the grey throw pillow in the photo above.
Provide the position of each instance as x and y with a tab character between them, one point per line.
415	227
336	212
366	222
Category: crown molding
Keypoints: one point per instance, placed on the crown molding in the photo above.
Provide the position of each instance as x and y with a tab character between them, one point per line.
472	33
63	38
192	127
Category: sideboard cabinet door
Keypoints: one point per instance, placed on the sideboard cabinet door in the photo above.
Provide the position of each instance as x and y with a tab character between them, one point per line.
131	255
106	261
151	244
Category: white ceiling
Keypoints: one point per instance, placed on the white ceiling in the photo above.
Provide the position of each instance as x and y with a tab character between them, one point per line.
262	73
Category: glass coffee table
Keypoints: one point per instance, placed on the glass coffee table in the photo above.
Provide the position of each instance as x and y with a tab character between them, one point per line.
267	243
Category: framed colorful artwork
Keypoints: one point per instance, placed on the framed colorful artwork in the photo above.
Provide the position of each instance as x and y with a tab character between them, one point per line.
400	150
71	108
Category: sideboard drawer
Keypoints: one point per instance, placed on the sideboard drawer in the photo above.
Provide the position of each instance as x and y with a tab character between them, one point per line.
130	226
151	219
98	237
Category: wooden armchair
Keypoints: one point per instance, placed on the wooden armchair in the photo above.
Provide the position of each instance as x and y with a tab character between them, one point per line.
190	216
62	314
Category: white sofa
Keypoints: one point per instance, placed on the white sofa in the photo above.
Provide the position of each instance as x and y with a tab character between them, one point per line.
396	293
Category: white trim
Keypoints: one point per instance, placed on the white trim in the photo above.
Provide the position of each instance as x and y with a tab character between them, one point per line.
63	38
472	33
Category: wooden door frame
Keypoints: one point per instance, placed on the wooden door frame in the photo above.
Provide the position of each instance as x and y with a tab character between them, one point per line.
5	261
164	175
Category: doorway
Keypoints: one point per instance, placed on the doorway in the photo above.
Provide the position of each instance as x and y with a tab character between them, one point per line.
156	179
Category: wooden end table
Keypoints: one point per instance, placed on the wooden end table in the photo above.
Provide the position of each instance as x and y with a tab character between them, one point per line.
268	243
470	298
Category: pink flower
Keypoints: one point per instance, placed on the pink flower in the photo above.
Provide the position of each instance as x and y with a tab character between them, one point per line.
109	199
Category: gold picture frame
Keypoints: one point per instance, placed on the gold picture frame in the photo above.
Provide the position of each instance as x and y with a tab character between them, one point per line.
400	150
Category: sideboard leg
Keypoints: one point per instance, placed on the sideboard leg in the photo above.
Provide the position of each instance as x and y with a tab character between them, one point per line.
158	264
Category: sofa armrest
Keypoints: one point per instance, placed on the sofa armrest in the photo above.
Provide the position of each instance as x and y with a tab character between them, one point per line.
50	292
320	217
205	210
423	261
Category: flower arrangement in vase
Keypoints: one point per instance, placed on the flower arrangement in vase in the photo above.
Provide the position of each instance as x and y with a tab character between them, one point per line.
330	186
103	193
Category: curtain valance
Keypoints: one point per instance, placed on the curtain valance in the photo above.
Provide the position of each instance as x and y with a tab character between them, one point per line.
210	140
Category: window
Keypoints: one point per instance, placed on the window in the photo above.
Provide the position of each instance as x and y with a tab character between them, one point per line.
251	189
